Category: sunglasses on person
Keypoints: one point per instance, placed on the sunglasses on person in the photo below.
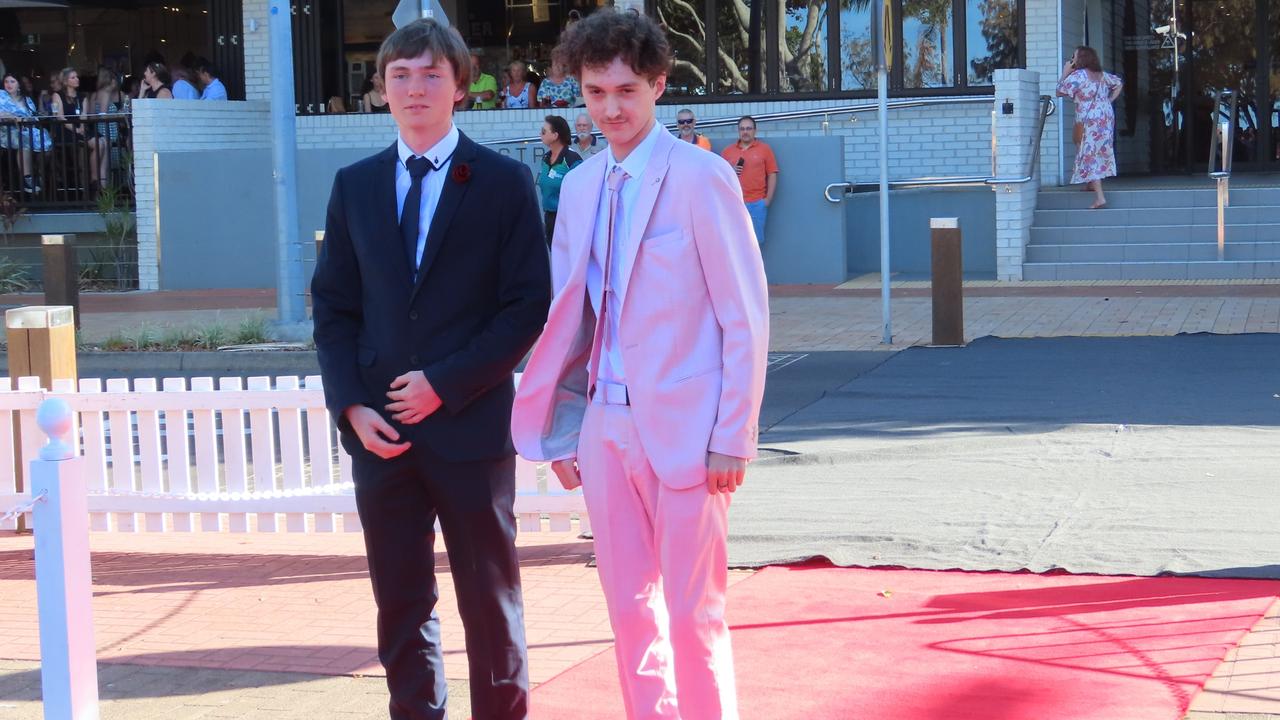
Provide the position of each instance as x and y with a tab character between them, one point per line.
684	121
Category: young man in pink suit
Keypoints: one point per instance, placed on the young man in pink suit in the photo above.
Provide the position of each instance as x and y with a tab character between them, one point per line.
653	409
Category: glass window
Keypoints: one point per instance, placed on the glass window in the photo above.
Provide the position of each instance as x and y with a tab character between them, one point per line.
926	44
991	38
733	33
688	37
857	47
803	50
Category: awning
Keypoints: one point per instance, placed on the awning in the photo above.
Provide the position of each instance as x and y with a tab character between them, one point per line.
16	4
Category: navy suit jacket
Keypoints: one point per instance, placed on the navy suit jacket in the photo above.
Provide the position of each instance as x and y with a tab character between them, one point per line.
480	301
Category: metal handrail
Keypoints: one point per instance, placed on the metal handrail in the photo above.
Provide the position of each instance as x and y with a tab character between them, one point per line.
1047	108
1223	132
796	115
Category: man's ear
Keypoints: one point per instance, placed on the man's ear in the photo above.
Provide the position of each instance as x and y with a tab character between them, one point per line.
659	86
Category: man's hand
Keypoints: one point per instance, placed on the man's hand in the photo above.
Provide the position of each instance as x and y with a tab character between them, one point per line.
413	398
376	434
725	473
567	471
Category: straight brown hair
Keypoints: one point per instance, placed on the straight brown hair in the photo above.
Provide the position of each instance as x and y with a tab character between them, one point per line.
427	36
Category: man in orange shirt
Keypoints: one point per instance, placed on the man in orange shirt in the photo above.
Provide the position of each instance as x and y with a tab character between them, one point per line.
757	172
687	125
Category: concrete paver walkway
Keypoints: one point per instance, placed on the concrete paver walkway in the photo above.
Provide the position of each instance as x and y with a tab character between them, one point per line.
202	625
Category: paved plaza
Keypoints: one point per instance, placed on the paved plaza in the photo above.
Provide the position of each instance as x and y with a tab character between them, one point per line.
281	626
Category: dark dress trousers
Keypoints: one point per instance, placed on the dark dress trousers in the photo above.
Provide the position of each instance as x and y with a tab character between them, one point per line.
480	300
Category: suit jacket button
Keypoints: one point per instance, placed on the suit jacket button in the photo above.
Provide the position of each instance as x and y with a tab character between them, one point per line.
413	314
413	359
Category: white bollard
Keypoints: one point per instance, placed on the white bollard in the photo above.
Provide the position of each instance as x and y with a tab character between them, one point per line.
68	668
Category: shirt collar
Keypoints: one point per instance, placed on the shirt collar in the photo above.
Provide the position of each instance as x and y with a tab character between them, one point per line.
438	154
638	160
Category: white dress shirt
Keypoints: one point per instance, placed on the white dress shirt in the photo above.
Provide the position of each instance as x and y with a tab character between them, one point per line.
611	368
440	155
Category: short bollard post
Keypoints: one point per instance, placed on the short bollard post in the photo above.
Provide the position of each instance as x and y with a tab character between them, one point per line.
42	343
319	243
68	668
61	272
948	281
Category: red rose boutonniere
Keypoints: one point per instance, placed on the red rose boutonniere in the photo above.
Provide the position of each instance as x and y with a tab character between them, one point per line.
461	173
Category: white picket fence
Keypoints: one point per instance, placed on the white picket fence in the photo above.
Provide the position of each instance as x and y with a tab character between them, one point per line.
179	457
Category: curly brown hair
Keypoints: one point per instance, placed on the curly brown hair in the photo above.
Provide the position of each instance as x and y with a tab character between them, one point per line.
608	34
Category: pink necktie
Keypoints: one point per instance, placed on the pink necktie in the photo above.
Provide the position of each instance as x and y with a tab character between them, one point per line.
615	180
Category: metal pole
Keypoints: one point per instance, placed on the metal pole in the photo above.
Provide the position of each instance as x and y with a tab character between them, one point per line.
290	305
882	100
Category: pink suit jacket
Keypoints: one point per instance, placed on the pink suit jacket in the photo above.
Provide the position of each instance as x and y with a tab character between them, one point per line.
694	332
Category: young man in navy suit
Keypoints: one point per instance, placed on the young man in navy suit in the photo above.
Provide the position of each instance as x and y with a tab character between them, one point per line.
433	283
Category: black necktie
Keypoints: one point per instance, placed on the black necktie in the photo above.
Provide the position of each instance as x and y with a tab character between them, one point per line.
410	217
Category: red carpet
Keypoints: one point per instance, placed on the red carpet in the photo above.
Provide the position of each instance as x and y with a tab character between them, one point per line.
823	643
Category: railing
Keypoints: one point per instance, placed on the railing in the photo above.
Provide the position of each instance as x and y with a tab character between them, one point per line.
1047	108
173	457
823	112
1223	139
52	163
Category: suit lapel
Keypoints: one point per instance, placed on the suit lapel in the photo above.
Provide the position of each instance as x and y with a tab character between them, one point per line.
587	234
386	230
450	198
651	182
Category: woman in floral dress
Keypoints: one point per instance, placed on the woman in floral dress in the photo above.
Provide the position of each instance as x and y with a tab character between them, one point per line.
1093	92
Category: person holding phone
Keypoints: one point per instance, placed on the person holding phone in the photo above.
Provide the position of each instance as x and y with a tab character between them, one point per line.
1093	91
757	170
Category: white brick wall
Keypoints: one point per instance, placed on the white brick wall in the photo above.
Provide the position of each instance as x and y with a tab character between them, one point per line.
922	142
161	126
257	49
1015	135
1046	58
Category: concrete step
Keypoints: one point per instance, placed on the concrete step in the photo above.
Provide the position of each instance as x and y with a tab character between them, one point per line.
1138	234
1193	270
1109	216
1152	252
1073	199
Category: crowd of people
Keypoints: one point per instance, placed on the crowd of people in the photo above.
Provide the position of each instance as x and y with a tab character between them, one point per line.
56	118
516	87
752	160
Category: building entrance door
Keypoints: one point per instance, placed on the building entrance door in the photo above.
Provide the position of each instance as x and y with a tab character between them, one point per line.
1221	45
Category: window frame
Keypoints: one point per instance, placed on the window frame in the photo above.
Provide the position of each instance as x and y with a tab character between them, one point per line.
773	25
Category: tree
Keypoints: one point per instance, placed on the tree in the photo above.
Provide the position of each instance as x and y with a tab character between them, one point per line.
1000	30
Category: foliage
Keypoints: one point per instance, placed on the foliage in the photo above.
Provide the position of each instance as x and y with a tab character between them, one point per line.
1000	30
118	259
11	211
251	330
13	277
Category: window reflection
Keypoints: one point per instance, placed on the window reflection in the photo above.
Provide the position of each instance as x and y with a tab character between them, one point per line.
857	47
732	19
803	51
687	34
926	43
991	38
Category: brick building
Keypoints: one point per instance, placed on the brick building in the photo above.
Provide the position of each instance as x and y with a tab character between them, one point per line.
737	57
